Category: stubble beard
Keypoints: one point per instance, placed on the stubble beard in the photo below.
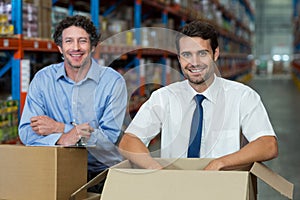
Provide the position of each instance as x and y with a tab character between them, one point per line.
81	66
202	79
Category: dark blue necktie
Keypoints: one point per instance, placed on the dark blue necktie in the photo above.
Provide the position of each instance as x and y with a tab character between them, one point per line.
196	129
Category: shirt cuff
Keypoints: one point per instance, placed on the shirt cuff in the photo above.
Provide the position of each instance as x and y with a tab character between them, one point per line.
68	127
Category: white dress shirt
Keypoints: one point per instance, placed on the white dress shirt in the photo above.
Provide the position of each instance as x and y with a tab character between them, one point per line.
229	107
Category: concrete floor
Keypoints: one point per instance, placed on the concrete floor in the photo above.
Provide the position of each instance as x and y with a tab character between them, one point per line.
282	100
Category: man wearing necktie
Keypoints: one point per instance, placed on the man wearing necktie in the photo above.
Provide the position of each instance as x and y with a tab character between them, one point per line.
225	109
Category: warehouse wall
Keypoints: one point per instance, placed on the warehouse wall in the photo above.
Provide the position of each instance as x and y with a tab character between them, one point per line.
273	29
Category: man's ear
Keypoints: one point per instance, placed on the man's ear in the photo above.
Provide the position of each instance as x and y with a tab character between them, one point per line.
60	50
216	54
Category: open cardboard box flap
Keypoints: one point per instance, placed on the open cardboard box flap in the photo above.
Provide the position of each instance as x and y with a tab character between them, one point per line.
127	177
272	179
100	177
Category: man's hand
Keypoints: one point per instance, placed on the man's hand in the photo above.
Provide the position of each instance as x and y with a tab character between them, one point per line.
44	125
262	149
75	134
84	130
214	165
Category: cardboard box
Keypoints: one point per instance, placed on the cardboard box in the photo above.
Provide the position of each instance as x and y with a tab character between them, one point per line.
41	172
184	179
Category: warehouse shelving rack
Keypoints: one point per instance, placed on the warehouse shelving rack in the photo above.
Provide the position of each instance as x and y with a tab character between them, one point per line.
173	11
15	46
232	64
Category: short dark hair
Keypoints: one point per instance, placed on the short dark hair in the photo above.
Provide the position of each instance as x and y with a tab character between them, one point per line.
198	28
79	21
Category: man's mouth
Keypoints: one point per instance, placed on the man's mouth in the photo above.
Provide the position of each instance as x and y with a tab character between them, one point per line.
76	55
197	69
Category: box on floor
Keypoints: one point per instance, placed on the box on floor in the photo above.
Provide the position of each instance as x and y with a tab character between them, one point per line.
184	179
54	173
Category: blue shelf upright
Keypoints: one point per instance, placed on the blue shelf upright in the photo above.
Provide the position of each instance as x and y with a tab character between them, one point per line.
163	61
95	4
18	55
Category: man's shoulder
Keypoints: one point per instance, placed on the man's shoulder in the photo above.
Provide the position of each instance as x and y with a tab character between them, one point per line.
234	88
233	84
174	87
110	73
173	90
49	69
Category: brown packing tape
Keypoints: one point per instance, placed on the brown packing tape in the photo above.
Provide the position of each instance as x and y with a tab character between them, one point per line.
100	177
274	180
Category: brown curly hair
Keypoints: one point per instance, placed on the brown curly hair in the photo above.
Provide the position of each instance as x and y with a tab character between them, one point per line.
79	21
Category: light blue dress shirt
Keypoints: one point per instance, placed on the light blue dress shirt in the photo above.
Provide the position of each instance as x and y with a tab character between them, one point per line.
100	99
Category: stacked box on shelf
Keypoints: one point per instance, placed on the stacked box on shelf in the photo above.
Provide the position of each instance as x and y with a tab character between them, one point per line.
57	14
122	21
235	7
30	20
8	120
29	17
44	17
115	27
153	35
6	28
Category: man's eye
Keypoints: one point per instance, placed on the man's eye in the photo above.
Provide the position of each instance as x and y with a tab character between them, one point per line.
186	55
83	41
203	53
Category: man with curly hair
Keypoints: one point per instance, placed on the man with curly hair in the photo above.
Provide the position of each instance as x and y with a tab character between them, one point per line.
76	99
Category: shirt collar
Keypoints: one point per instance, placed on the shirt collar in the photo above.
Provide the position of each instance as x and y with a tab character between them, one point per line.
61	71
210	93
190	92
94	73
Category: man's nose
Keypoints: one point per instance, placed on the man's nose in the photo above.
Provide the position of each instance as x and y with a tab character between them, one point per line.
76	45
195	59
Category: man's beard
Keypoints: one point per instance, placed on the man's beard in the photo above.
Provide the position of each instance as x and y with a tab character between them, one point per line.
85	62
76	66
204	78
